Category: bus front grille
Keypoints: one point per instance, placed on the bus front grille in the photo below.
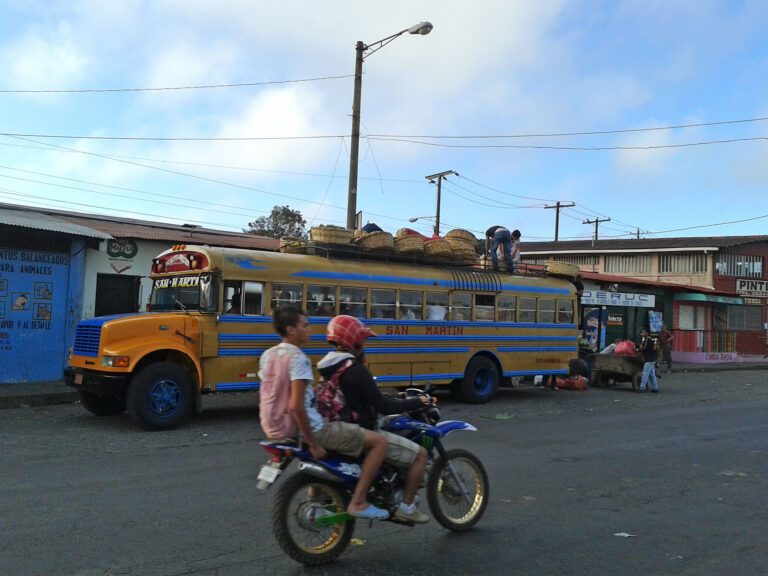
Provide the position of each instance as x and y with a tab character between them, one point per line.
87	341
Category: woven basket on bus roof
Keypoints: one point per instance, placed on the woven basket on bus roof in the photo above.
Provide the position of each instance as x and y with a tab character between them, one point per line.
293	245
465	235
378	241
438	248
329	234
409	244
561	269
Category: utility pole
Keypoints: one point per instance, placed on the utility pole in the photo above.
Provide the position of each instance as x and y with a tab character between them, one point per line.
596	222
439	177
557	214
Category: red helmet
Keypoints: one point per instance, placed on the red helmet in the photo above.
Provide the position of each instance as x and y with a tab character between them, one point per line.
347	331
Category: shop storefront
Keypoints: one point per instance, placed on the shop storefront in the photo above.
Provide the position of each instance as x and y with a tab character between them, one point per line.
611	316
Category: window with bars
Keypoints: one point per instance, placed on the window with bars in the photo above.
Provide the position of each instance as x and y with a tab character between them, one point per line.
739	265
578	260
682	263
628	263
745	317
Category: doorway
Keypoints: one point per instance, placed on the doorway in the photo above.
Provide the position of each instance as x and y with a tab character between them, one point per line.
116	294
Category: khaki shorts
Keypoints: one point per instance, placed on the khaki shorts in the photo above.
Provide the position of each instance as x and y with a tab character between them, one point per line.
401	452
341	437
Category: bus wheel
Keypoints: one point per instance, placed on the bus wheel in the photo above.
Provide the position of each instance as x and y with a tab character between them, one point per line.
481	380
101	405
160	396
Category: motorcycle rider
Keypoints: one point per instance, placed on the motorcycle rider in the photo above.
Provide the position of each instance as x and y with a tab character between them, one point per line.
345	438
362	396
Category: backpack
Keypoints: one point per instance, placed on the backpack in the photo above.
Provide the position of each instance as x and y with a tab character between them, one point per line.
275	397
330	398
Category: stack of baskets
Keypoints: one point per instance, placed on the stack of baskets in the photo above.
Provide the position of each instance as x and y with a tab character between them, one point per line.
379	242
438	249
408	243
293	245
330	234
463	245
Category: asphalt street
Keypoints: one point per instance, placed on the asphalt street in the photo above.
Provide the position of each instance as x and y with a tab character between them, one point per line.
604	481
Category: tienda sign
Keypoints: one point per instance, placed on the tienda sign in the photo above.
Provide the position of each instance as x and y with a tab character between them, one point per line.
618	299
753	288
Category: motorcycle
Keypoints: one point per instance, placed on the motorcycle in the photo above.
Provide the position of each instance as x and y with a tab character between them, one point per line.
308	513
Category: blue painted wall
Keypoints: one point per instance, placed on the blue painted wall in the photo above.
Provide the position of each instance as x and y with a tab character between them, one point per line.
34	295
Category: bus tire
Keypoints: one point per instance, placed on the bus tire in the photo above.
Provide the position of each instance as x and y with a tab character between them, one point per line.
160	396
101	405
481	380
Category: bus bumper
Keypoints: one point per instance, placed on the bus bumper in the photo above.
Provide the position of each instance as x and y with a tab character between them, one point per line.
99	382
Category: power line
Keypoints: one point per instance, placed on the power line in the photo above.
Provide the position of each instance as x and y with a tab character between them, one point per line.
563	134
201	87
572	148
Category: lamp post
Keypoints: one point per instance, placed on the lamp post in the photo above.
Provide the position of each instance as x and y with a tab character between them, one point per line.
362	51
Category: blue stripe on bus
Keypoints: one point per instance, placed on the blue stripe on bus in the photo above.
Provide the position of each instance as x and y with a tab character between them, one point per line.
406	338
417	377
369	351
224	386
537	348
354	277
533	372
380	322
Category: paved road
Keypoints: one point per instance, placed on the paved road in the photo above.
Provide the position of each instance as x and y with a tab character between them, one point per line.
582	483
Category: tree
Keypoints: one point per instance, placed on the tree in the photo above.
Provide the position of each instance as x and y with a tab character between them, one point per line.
281	223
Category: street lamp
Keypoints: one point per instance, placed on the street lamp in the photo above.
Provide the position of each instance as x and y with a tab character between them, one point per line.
363	50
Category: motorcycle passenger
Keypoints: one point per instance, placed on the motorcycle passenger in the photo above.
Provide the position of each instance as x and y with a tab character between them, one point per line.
286	365
361	395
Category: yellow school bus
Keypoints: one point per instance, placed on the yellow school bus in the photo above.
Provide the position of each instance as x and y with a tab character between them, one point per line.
209	320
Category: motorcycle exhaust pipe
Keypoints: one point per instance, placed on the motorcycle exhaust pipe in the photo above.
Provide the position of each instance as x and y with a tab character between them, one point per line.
317	470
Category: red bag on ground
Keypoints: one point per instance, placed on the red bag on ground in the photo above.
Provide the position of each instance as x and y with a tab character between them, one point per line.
626	347
573	383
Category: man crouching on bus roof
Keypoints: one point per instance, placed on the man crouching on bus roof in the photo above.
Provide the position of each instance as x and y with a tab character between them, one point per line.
363	399
287	401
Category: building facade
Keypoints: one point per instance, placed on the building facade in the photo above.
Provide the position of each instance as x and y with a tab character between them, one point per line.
57	268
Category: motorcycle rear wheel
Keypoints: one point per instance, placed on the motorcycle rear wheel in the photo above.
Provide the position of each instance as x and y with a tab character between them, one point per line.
446	500
293	516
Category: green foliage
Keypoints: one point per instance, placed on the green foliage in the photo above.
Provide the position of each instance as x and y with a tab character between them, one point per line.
283	222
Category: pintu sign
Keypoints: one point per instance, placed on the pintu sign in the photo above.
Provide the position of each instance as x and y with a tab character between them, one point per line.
618	299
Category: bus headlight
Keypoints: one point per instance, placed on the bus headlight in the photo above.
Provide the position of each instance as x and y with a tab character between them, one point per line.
115	361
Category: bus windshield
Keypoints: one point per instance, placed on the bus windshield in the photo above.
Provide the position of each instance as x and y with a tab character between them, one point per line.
198	292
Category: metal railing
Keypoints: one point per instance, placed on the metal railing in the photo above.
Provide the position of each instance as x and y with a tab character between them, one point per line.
706	341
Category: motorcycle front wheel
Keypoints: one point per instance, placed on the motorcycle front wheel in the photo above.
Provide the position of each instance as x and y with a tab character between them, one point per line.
457	490
298	504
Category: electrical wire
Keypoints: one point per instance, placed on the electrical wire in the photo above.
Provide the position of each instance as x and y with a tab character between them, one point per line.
202	87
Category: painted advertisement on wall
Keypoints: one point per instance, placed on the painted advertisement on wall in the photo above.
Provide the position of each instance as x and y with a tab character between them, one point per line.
33	308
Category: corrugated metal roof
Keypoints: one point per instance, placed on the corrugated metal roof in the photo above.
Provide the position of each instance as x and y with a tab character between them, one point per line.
41	221
608	245
107	227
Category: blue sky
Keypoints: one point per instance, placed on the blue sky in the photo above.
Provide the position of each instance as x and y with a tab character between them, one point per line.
527	71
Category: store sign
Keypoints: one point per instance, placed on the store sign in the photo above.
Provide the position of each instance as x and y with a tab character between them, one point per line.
599	298
753	288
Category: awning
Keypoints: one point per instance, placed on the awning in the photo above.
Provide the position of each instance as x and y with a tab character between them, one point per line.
42	221
709	298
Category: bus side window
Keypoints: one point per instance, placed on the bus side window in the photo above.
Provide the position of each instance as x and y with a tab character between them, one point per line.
527	311
285	295
547	310
411	305
321	301
565	311
383	304
253	297
484	307
352	301
233	297
507	309
461	306
437	305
